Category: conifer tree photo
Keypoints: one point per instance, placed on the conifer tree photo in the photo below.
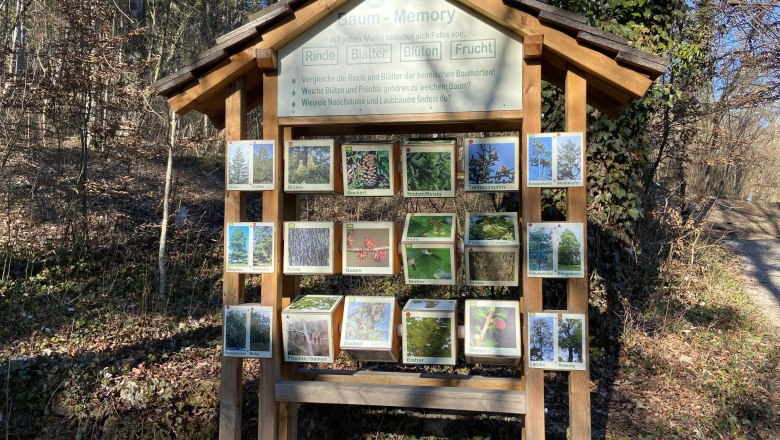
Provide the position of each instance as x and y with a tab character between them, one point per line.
540	159
263	164
238	167
540	339
238	245
263	245
569	159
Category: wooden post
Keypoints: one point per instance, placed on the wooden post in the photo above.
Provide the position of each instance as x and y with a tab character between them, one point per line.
531	211
233	284
577	302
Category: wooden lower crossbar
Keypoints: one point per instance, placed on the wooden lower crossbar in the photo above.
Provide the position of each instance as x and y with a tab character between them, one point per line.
462	393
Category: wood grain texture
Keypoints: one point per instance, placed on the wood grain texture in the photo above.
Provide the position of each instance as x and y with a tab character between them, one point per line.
267	60
272	283
406	396
594	62
531	211
406	118
577	211
411	379
233	283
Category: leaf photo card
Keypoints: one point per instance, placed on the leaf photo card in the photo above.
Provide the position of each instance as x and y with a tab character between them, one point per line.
492	332
370	248
429	168
556	159
368	328
429	228
430	329
556	342
247	331
311	248
370	169
249	247
492	164
429	263
492	229
251	165
555	250
310	166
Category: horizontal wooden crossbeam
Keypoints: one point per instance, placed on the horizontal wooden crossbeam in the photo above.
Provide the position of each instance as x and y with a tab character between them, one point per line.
409	396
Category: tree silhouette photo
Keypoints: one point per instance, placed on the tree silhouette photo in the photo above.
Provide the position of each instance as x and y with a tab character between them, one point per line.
569	158
569	251
263	164
259	331
570	340
262	254
238	165
540	159
540	247
238	245
540	339
235	329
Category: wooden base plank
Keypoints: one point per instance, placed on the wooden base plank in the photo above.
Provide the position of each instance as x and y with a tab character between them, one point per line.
412	379
408	396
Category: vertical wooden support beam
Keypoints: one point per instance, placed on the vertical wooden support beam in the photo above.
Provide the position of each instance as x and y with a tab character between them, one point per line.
531	211
233	284
577	302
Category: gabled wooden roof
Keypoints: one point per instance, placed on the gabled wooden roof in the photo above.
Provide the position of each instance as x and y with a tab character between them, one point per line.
617	73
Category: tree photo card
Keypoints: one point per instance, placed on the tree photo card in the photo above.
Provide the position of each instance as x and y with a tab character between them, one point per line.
492	229
430	329
247	331
368	328
249	247
492	164
555	250
556	159
251	165
492	266
556	342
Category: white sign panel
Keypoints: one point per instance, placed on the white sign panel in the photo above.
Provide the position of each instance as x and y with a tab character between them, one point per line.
377	57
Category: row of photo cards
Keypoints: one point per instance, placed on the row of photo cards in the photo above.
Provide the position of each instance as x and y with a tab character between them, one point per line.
428	249
556	342
316	327
427	166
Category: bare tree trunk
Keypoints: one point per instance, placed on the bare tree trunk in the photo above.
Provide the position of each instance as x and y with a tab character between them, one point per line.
162	255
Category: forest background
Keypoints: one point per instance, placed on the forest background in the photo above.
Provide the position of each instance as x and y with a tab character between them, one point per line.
110	315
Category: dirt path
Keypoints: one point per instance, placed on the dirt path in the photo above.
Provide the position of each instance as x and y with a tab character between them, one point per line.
752	231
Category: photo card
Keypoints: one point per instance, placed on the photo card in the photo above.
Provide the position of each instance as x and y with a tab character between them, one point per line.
368	329
492	332
430	329
247	331
492	164
429	228
251	165
429	263
370	169
492	229
249	247
370	248
555	250
556	159
312	248
556	341
310	328
492	266
311	166
428	168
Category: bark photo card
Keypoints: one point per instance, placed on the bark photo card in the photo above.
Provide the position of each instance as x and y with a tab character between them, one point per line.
311	248
430	329
492	332
556	342
251	165
310	327
249	247
247	331
556	160
310	166
492	229
368	328
492	164
370	169
429	168
370	248
555	250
